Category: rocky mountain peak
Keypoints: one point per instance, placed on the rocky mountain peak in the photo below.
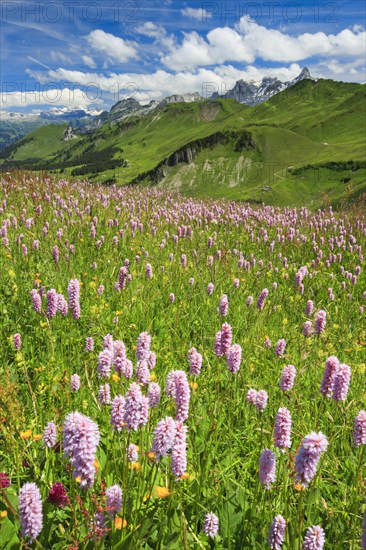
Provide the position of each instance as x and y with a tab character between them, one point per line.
305	73
251	93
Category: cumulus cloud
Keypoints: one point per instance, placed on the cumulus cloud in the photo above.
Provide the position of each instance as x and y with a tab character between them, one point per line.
113	47
112	87
274	45
161	83
353	71
196	13
249	41
192	53
65	97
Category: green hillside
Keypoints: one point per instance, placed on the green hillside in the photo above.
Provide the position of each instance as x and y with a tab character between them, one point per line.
12	130
306	145
39	145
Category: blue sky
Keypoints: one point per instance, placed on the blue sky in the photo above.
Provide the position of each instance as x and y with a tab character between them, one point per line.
89	54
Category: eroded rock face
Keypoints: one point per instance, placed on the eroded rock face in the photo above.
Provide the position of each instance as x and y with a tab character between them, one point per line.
68	134
241	141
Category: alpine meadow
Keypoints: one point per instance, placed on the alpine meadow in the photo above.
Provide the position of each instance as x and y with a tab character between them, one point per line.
182	275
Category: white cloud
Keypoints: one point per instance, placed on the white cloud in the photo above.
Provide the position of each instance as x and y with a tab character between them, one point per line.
353	71
192	53
250	41
227	45
66	97
151	30
115	48
251	73
196	13
273	45
89	61
162	83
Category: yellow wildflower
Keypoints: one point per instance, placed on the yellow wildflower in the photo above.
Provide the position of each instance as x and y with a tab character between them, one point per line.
162	492
120	523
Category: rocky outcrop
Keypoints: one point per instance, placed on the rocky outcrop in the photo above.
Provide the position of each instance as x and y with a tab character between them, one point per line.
177	98
240	140
68	134
251	93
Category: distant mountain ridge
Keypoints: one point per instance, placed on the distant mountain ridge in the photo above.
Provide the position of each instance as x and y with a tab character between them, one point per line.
53	114
131	107
246	93
251	93
14	126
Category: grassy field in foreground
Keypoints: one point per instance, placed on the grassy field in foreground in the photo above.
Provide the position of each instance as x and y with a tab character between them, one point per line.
167	325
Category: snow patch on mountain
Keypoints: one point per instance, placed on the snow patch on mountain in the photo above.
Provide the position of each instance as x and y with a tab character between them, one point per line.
253	93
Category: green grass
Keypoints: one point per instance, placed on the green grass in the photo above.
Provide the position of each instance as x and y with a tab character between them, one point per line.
41	144
226	435
14	130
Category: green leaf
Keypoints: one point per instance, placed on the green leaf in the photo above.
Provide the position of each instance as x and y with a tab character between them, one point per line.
9	539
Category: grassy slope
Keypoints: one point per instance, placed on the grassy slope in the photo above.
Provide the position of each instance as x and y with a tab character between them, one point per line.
309	124
41	143
13	130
